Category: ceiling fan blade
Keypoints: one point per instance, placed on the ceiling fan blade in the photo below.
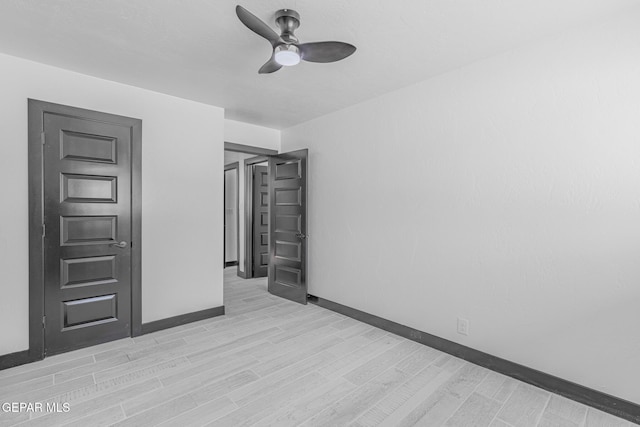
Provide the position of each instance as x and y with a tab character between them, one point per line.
256	25
270	66
325	51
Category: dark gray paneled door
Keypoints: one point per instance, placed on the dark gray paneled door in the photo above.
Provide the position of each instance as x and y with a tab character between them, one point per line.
260	221
287	225
87	236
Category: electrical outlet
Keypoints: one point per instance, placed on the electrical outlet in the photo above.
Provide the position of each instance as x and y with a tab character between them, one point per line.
463	326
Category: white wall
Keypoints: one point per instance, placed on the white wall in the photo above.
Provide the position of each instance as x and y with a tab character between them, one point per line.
182	167
506	192
254	135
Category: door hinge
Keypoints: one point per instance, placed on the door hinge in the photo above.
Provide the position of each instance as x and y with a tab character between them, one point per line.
44	230
42	138
44	320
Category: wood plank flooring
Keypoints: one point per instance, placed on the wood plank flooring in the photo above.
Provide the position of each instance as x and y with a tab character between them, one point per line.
270	362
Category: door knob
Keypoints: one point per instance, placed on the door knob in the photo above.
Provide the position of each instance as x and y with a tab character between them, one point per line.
122	244
301	235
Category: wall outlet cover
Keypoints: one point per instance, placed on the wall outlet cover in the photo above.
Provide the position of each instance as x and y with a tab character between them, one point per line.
463	326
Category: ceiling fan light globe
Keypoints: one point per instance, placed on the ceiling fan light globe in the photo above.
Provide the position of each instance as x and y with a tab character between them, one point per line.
287	55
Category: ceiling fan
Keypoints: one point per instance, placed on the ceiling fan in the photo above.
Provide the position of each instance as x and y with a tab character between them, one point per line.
287	50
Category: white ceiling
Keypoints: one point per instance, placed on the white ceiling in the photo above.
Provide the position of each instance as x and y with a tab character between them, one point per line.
198	49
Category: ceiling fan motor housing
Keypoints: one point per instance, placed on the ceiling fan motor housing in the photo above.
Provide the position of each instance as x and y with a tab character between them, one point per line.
288	20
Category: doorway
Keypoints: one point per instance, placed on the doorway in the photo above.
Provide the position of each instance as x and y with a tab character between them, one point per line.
85	223
231	220
272	225
246	157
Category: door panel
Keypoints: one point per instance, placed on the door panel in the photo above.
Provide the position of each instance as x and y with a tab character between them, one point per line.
87	147
260	221
87	209
89	188
87	230
287	219
89	311
289	250
88	271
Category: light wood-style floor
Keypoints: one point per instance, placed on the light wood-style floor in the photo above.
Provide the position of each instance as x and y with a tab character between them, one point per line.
269	362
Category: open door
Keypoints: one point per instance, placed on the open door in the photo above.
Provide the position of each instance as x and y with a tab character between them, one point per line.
287	225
